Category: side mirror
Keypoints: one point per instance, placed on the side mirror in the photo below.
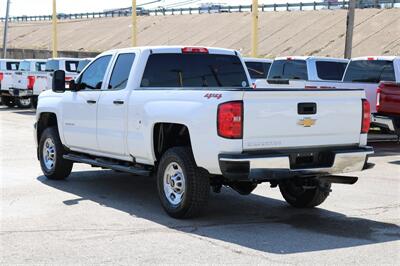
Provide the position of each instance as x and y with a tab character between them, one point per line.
58	84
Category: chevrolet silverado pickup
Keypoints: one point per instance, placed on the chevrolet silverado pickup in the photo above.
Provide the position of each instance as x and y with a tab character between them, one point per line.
7	68
189	116
23	81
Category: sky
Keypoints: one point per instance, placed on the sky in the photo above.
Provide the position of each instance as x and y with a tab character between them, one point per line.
44	7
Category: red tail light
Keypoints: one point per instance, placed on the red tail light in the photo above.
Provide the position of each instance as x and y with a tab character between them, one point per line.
366	116
230	120
1	76
188	50
31	82
68	79
378	98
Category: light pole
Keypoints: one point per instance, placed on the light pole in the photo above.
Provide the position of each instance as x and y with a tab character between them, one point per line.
134	23
349	29
54	30
254	29
5	30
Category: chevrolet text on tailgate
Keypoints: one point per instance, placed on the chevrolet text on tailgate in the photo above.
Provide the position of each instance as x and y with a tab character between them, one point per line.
188	115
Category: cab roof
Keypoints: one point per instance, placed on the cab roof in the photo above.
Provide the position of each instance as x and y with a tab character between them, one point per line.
386	58
253	59
318	58
173	49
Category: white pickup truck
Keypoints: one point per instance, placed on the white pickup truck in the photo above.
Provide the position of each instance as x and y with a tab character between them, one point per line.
24	79
44	79
7	68
188	115
301	71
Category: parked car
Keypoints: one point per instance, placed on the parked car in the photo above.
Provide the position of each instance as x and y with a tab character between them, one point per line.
44	79
300	71
188	115
258	68
7	67
388	107
23	81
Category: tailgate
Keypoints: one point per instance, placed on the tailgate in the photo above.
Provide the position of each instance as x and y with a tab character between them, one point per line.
19	80
296	118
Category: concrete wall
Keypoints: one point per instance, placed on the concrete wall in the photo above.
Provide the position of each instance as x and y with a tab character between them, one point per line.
377	32
44	54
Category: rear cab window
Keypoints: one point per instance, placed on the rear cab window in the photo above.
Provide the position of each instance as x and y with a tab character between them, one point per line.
40	66
71	66
12	66
258	70
370	71
330	70
195	70
52	65
24	66
288	69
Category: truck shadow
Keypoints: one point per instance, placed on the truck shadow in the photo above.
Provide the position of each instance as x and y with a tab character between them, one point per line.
254	222
385	149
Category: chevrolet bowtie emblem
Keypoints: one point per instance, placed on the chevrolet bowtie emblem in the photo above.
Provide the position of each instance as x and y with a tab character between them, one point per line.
306	122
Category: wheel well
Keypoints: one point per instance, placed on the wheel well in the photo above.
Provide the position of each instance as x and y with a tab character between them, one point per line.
46	120
168	135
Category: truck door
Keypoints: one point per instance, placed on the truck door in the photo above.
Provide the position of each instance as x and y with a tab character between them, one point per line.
112	108
80	107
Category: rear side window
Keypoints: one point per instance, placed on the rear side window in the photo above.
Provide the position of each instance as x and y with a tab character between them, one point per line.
370	71
330	70
258	70
71	66
40	66
120	74
194	70
288	69
12	65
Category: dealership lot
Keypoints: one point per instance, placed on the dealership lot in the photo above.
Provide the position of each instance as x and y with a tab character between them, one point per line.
100	216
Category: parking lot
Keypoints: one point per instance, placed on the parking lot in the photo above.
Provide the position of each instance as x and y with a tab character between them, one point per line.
101	216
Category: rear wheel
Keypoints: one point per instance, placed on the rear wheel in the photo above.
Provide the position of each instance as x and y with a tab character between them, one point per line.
8	101
183	188
300	195
23	102
51	152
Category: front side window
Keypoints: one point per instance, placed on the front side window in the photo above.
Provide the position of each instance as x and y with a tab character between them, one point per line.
93	76
370	71
194	70
40	66
288	69
329	70
258	70
120	74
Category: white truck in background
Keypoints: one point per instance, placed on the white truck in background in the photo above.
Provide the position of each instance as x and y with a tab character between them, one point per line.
189	115
303	71
7	68
257	67
24	80
44	79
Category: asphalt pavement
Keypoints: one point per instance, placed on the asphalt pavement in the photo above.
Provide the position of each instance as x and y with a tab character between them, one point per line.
104	217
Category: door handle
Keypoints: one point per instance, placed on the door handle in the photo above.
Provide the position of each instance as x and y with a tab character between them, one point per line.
91	101
118	102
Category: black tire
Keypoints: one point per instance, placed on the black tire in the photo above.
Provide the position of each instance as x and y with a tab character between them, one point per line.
34	101
196	183
299	197
61	168
8	101
23	102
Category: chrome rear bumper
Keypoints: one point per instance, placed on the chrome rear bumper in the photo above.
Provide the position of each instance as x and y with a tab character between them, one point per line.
280	166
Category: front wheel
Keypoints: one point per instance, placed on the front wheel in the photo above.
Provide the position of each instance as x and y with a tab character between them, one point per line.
51	152
183	188
300	195
23	102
